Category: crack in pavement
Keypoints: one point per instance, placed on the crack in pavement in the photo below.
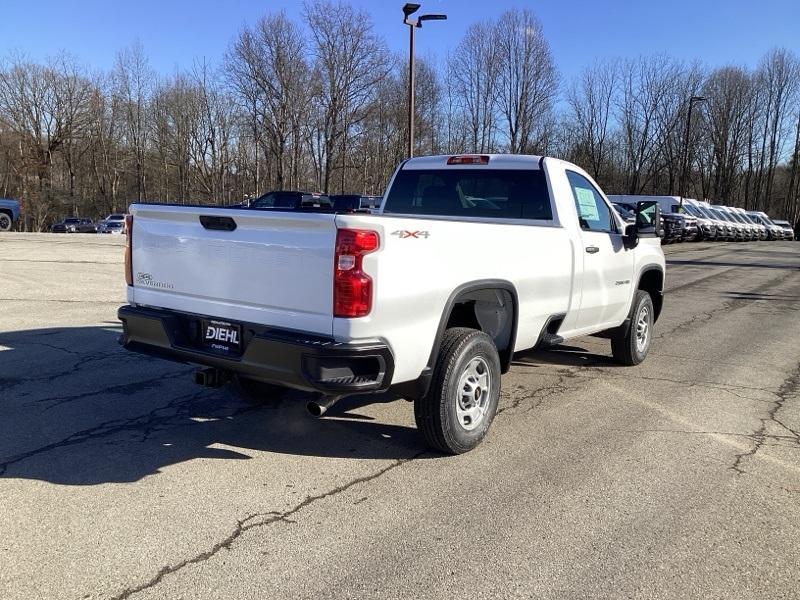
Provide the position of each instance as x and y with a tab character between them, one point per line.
258	520
118	356
125	389
268	518
725	387
730	305
749	436
704	279
788	389
146	424
539	394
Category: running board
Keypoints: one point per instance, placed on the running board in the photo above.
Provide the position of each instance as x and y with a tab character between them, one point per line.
550	339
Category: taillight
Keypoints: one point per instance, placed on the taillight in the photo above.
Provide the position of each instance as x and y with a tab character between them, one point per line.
129	249
352	288
468	159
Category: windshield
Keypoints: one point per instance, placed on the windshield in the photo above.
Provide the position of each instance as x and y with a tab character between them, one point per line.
721	215
346	202
72	220
706	212
624	212
505	194
747	218
762	219
726	215
278	200
692	210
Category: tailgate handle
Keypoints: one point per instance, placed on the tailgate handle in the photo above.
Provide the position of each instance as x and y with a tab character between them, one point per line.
218	223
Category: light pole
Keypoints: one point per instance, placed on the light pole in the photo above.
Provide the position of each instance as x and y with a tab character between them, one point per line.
692	101
408	10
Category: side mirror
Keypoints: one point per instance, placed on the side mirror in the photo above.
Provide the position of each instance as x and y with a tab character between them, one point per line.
648	219
630	238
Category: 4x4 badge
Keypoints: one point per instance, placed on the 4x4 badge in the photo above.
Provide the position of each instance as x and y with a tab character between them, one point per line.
403	234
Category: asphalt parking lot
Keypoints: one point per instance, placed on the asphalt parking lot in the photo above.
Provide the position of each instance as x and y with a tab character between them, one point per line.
679	478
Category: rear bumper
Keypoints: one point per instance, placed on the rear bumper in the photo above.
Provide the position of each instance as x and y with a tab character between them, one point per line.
298	360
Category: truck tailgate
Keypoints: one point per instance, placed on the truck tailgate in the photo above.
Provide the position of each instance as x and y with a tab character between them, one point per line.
274	268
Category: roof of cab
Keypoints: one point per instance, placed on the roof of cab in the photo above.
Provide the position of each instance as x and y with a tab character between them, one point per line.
496	161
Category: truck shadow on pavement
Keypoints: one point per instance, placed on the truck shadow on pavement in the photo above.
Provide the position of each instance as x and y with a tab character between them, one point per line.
718	263
562	354
77	409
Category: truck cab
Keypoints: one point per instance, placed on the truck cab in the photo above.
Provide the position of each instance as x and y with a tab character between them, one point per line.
469	259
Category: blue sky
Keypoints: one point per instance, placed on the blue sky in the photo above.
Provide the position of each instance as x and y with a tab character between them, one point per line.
176	32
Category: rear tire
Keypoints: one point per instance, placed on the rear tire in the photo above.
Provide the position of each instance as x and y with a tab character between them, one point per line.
455	415
630	343
257	393
5	221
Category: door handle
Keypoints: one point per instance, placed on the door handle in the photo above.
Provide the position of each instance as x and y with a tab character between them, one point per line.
592	249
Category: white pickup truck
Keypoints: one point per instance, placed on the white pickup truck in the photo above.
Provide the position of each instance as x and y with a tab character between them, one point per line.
469	259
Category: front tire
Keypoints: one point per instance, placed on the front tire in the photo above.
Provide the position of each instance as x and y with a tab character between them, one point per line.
455	415
5	221
631	342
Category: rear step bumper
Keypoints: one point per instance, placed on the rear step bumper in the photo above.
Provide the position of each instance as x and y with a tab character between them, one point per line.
298	360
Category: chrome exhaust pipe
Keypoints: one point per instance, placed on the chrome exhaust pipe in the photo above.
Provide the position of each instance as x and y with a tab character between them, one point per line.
320	406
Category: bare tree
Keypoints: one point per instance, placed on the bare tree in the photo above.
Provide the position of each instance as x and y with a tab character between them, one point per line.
779	73
133	83
267	68
591	99
349	62
473	73
527	79
728	92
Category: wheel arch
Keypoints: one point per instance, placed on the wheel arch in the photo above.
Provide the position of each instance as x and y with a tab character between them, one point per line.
470	304
456	314
651	280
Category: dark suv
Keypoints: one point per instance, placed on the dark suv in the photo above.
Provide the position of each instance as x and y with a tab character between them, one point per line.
74	225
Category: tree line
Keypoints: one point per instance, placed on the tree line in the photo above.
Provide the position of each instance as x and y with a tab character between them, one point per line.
320	104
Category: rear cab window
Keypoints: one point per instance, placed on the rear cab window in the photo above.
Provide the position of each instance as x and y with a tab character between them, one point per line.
481	193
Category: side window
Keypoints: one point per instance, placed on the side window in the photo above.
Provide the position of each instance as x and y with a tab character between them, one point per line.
593	213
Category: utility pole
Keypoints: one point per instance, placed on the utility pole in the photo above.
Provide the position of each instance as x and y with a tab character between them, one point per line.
408	10
692	101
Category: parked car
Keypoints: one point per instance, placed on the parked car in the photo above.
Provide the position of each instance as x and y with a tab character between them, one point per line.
9	212
716	228
74	225
682	228
428	300
733	230
691	228
112	224
753	231
371	202
674	225
741	232
281	199
706	226
346	202
761	232
627	215
111	227
774	232
788	230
